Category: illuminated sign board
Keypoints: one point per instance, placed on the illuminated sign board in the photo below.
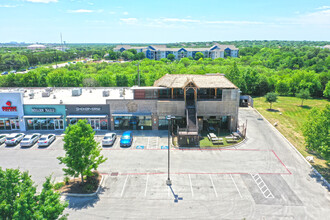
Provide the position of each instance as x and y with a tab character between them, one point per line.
9	108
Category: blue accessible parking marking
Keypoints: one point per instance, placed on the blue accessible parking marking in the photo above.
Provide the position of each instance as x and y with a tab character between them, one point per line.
140	147
164	147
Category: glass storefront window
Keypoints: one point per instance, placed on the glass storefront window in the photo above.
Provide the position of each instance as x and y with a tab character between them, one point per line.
9	124
132	122
96	123
162	123
44	124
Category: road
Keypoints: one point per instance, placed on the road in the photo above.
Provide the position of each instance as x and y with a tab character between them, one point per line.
263	178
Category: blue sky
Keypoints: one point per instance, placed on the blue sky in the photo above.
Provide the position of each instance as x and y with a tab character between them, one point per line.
160	21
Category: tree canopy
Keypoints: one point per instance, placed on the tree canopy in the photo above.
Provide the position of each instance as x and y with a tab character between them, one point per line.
82	152
271	97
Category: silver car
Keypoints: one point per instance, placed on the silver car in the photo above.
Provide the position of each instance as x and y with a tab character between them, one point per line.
109	139
46	140
30	140
14	138
3	138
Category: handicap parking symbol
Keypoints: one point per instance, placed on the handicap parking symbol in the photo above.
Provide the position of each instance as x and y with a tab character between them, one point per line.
140	147
164	147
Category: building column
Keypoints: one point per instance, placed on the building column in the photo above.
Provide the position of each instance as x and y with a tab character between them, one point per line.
112	123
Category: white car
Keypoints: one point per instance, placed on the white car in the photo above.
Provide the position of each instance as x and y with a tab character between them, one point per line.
3	138
14	138
46	140
109	139
30	140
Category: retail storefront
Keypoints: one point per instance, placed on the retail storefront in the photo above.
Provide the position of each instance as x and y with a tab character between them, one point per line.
44	117
11	111
96	115
132	121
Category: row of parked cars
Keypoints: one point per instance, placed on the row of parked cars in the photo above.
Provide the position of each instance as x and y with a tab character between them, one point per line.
27	140
22	70
126	139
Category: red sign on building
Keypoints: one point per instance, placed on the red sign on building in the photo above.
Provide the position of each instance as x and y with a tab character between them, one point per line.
9	108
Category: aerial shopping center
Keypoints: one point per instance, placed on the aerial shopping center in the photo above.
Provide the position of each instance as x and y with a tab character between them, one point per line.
194	101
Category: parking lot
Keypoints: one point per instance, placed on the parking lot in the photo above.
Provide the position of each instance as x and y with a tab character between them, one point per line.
263	178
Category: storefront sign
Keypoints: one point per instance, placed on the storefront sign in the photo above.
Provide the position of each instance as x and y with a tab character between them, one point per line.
88	109
9	108
50	110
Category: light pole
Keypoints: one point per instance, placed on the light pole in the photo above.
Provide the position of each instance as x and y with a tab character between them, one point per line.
168	181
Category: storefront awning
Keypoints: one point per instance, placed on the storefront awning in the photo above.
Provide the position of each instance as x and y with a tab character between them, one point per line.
131	114
87	116
8	116
42	116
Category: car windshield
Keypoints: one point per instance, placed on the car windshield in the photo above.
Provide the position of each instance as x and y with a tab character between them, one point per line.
1	136
10	137
107	137
125	137
43	139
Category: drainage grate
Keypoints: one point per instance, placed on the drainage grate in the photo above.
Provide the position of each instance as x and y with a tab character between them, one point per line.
114	174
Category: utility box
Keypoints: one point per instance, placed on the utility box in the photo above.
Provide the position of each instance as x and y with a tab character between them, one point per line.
76	92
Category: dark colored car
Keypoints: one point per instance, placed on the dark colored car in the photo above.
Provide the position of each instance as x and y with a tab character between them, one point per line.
126	139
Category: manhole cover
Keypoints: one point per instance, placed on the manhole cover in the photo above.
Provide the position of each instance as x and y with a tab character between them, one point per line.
114	174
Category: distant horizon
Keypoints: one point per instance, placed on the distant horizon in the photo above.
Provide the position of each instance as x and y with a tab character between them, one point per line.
162	22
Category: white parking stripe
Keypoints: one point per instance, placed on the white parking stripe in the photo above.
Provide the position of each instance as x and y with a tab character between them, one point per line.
235	185
145	192
192	191
122	192
215	191
147	147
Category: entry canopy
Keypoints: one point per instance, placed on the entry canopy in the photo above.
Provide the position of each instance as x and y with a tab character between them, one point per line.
131	114
42	116
87	116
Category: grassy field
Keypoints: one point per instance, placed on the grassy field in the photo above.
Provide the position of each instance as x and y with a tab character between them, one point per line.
290	117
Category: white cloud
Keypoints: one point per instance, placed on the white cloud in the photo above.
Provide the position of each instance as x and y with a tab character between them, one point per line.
125	13
129	20
112	12
180	20
90	3
8	6
42	1
323	7
234	22
80	11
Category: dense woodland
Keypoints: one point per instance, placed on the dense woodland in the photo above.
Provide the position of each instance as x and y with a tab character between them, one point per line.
258	70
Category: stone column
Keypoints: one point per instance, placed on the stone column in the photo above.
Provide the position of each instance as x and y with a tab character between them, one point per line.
154	121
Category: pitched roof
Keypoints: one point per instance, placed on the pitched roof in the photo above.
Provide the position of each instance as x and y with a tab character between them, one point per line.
215	80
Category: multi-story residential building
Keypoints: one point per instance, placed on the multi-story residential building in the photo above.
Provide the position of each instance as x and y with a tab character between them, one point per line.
196	102
157	52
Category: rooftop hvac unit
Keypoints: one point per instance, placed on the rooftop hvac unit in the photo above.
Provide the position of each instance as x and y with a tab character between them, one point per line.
61	101
45	94
76	92
54	96
121	93
106	93
31	95
49	89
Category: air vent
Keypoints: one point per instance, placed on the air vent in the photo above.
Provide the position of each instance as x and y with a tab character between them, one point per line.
106	93
45	94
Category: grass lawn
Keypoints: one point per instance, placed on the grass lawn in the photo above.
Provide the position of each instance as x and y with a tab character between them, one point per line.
206	143
291	121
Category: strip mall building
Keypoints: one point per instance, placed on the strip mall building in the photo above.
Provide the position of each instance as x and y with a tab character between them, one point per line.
196	101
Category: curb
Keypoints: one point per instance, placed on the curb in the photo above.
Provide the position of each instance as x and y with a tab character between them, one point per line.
85	195
324	181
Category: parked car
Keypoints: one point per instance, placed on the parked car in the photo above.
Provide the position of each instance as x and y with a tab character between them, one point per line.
31	68
3	138
14	138
4	73
46	140
30	140
13	71
22	70
126	139
109	139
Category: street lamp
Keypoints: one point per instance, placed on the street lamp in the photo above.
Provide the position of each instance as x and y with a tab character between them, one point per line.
168	181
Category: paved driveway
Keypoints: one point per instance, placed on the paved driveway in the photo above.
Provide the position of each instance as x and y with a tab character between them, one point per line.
264	178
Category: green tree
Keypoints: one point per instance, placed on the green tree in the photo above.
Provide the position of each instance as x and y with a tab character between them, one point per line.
303	94
171	57
199	55
19	199
82	152
271	97
326	91
140	56
316	131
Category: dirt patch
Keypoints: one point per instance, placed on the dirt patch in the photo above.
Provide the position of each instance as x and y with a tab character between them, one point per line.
89	186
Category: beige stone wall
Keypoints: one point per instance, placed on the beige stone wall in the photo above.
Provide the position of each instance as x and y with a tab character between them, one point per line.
138	106
176	108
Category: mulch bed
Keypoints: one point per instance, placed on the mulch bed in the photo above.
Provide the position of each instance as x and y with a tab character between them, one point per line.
89	186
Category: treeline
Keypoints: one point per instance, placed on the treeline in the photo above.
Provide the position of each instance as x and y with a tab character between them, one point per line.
257	72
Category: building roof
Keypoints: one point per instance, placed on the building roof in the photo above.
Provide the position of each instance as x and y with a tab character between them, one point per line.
215	80
36	46
326	47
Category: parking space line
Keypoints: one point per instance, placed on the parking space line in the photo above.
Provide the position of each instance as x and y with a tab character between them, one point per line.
192	191
215	191
145	191
157	142
236	186
122	192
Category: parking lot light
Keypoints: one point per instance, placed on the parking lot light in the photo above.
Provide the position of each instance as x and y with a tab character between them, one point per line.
168	181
